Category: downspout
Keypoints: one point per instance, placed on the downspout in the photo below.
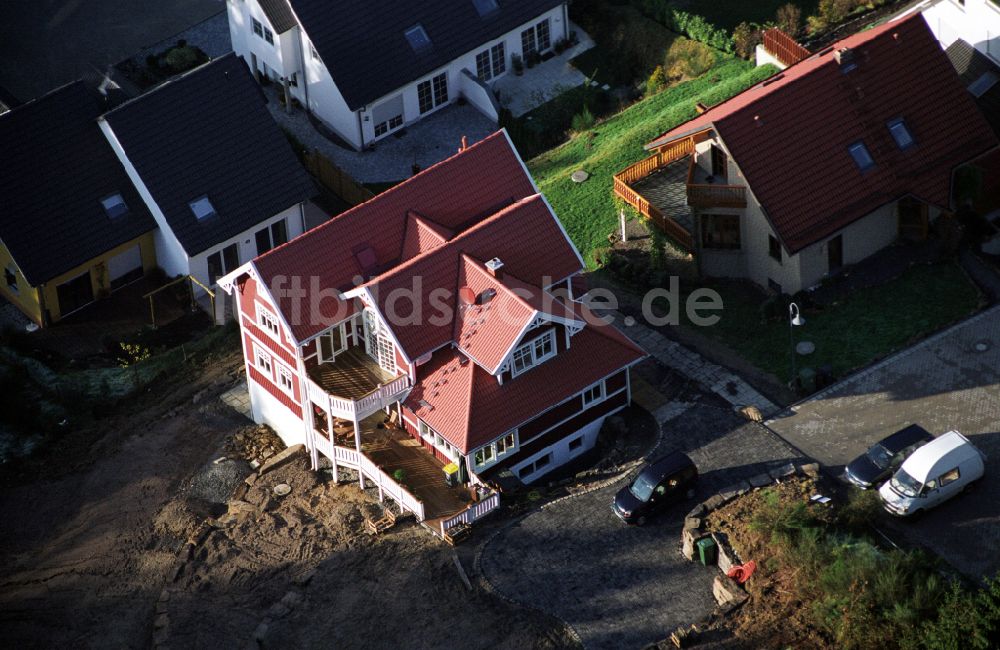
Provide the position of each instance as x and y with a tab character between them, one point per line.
302	215
566	20
361	131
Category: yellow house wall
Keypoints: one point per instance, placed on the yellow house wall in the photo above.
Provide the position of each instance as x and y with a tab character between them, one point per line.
28	298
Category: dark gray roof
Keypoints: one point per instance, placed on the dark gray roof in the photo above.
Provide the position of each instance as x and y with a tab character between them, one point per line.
279	14
209	133
57	166
971	65
363	46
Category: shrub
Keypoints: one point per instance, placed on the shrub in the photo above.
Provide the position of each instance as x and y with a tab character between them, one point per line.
964	620
582	121
688	58
746	38
656	82
789	19
691	25
181	59
861	509
399	475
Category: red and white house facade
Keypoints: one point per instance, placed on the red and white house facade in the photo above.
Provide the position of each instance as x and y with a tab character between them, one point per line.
455	289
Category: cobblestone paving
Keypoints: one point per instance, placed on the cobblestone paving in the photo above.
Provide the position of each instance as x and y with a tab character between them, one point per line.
942	383
618	586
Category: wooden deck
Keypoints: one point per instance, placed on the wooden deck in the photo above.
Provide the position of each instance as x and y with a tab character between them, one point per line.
394	449
666	188
352	375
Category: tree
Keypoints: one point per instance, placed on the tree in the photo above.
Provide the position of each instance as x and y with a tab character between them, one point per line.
789	19
746	38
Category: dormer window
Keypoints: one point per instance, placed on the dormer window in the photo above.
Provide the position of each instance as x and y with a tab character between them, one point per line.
485	7
900	133
417	37
202	208
863	159
114	205
533	353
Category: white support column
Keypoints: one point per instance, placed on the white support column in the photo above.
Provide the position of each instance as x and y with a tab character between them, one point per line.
333	443
357	445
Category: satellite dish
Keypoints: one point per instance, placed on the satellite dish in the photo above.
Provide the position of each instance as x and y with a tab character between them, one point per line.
466	296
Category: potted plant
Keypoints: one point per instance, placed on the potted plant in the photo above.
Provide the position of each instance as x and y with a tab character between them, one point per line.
518	64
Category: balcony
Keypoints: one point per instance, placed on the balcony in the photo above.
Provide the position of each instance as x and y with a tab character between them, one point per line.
665	186
422	491
353	386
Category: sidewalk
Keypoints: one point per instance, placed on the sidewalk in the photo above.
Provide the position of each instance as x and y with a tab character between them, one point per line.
712	377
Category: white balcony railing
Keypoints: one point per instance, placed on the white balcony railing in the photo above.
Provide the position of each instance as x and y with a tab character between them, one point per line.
472	513
360	408
353	459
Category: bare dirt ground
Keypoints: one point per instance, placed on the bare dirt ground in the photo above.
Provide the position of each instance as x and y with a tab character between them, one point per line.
128	535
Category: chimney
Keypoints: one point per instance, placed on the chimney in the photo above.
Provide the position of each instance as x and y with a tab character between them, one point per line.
844	56
495	267
465	144
700	107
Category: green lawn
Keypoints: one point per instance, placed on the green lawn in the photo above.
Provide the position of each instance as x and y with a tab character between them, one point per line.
588	209
869	324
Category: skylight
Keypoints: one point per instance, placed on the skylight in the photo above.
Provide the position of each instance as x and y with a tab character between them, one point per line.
900	133
202	208
862	158
114	205
418	38
485	7
986	81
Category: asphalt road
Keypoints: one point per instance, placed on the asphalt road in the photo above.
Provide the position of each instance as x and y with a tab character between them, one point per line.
949	381
47	43
625	587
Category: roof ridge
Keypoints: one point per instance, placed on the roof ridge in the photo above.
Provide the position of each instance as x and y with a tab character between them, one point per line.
457	239
389	192
480	266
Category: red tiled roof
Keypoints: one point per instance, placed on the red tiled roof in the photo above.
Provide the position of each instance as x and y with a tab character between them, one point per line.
455	193
422	235
526	236
790	134
469	408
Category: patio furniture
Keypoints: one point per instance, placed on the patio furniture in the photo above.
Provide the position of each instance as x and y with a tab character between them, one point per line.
379	526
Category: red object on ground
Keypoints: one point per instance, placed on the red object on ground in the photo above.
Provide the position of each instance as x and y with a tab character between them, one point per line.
742	573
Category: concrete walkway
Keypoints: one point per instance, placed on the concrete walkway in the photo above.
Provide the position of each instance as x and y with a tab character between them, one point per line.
543	82
984	275
712	377
430	140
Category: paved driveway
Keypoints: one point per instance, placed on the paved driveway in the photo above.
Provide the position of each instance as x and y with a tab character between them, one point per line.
624	587
950	381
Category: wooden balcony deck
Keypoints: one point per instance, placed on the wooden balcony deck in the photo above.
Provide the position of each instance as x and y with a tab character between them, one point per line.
352	375
666	188
393	449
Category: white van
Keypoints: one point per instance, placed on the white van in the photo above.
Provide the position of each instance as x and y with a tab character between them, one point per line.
934	473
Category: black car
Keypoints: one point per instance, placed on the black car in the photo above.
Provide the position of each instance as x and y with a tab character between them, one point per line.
885	456
662	482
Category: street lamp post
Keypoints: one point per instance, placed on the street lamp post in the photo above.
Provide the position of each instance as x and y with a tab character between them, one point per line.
795	319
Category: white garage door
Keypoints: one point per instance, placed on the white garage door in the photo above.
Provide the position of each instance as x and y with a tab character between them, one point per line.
125	267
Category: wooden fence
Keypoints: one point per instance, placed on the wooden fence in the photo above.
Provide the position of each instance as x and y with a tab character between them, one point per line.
783	47
335	179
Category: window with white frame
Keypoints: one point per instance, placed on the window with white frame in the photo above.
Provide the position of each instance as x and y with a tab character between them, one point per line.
535	466
267	320
437	440
432	93
263	360
593	394
271	237
533	353
258	28
268	36
489	454
491	63
285	379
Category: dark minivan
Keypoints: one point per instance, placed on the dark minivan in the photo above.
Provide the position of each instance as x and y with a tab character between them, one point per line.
885	456
662	482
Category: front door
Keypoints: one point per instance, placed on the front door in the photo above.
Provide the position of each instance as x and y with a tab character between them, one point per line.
835	253
332	343
720	164
75	294
912	219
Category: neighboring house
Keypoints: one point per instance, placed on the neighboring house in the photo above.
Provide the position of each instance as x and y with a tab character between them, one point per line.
369	69
819	166
215	171
980	75
72	226
977	22
434	302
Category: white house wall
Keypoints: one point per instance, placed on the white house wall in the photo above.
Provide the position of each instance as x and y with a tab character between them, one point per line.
266	409
560	450
246	242
327	103
977	23
282	58
170	255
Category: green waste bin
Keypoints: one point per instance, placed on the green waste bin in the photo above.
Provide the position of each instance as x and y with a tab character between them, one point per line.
707	551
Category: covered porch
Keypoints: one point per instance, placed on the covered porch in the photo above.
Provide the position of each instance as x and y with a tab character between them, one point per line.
351	387
667	185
